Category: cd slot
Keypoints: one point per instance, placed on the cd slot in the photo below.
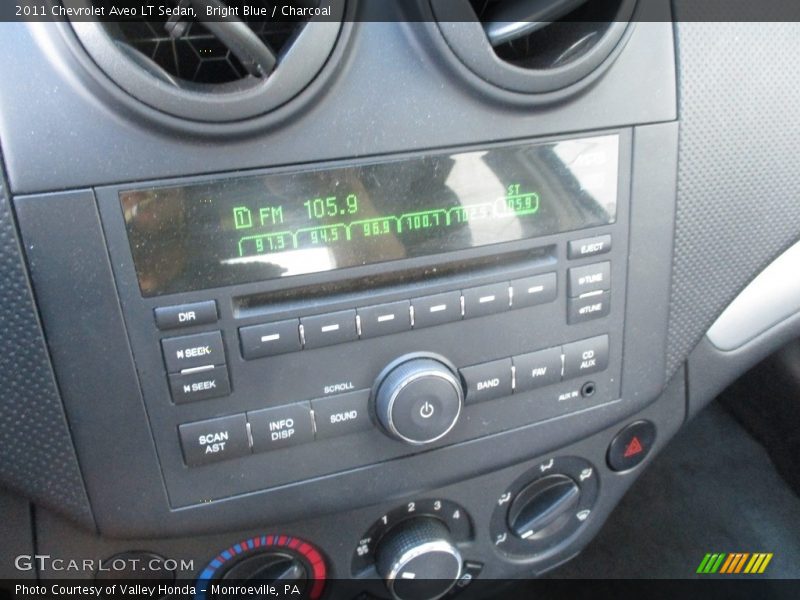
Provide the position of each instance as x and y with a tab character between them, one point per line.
365	288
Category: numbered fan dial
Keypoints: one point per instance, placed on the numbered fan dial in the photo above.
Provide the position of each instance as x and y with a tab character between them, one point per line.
452	515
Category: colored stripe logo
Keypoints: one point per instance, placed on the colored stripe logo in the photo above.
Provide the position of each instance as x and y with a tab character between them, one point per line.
734	562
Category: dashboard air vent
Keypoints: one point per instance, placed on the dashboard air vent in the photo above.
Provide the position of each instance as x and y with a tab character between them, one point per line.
533	46
212	69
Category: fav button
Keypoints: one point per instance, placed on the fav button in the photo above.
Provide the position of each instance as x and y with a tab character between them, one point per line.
200	385
487	381
191	351
342	414
210	441
281	427
537	369
186	315
326	330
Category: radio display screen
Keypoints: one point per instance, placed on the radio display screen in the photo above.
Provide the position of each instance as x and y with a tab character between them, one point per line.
255	228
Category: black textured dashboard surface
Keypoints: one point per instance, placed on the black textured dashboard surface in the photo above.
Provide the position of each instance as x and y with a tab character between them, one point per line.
738	203
37	457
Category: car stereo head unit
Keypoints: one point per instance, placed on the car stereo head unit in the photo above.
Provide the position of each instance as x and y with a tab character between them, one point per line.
302	322
238	230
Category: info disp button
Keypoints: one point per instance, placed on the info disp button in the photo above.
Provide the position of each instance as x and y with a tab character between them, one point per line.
281	427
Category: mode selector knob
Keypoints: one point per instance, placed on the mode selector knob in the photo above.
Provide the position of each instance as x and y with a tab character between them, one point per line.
418	560
419	401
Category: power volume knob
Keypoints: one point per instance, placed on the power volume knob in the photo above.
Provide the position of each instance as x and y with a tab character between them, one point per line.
419	401
418	560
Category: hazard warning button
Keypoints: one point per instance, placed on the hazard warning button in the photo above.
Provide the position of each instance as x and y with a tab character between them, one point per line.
631	445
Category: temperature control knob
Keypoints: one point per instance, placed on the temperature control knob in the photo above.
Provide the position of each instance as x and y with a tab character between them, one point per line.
418	560
419	401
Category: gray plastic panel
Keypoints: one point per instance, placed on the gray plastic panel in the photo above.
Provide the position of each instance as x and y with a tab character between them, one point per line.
770	298
37	457
396	88
105	406
338	536
738	164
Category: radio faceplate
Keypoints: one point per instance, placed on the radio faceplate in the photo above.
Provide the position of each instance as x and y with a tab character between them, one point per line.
311	381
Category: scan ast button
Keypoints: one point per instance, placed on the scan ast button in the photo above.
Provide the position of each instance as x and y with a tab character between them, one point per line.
213	440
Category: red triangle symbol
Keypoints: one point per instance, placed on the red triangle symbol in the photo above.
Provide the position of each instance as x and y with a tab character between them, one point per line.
633	448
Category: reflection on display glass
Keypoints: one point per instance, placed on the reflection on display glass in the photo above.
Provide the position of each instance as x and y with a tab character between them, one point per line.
263	227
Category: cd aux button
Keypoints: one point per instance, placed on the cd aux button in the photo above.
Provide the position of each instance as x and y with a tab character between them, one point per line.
585	356
329	329
281	427
269	339
487	381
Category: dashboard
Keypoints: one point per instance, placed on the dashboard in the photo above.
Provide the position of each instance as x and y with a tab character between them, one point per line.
390	311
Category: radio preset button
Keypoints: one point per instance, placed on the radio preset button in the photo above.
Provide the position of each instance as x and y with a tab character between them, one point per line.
342	414
385	319
281	427
592	246
191	351
585	356
437	309
531	291
186	315
590	278
593	305
270	338
537	369
485	300
329	329
210	441
487	381
200	385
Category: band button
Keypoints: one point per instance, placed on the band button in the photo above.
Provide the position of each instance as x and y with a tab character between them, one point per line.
487	381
